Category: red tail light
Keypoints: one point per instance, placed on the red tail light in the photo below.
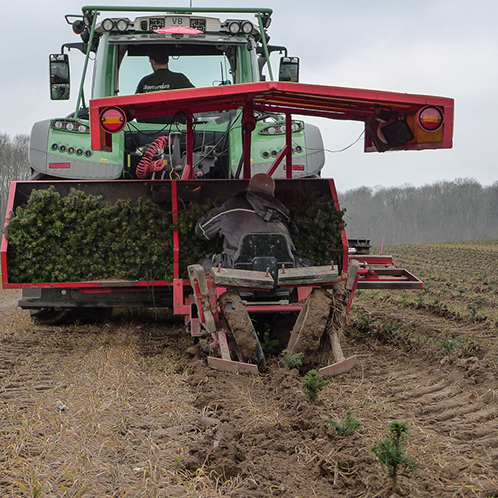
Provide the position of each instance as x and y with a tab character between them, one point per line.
430	118
112	119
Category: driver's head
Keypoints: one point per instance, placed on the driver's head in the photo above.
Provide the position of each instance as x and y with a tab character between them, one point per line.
261	182
159	55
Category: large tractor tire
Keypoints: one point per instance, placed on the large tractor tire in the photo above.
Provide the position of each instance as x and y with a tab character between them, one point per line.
50	316
248	348
91	316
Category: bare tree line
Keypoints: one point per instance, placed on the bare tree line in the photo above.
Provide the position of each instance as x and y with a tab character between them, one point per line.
14	165
443	211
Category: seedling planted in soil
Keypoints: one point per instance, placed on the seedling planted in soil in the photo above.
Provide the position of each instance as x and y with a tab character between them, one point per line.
391	453
270	346
448	345
312	385
292	360
348	426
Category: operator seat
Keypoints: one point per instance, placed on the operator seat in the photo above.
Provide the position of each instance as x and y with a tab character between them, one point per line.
261	250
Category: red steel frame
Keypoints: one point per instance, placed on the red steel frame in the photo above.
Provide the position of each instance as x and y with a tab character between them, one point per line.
276	97
178	284
3	248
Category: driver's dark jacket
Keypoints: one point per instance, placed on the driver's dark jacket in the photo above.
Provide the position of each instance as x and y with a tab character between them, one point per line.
244	212
163	79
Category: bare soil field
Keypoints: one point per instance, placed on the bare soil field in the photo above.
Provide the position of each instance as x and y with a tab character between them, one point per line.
130	409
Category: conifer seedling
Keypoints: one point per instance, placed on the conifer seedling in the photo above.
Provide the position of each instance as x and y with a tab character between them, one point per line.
312	385
392	454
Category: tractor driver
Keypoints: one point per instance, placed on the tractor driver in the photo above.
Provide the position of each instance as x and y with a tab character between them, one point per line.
162	78
253	210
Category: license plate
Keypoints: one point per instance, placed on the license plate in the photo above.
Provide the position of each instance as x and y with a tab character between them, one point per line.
177	21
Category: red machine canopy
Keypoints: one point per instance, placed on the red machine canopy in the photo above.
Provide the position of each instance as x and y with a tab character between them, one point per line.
414	122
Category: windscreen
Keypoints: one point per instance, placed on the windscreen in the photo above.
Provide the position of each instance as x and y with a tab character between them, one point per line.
202	70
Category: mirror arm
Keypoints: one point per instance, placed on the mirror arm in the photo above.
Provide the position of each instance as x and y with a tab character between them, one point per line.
77	45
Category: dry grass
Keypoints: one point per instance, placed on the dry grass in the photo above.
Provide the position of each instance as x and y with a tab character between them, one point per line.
99	419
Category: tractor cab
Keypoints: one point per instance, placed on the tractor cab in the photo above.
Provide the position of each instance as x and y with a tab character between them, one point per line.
213	48
211	51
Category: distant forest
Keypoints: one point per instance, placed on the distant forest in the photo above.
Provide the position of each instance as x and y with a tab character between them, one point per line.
440	212
444	211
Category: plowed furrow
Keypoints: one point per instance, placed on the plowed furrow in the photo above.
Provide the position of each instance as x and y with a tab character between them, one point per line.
484	415
404	378
490	429
486	443
419	392
446	404
444	394
464	422
457	412
402	387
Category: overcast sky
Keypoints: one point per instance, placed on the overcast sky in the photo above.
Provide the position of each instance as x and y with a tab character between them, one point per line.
446	48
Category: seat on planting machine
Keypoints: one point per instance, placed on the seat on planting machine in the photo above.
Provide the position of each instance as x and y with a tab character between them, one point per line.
263	251
257	261
267	261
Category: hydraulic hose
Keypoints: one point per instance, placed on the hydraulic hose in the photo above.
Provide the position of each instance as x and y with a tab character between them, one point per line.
147	164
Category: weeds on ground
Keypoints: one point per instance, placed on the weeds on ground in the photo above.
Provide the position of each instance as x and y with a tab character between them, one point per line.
348	426
448	345
391	327
34	489
201	481
392	454
312	385
473	310
292	360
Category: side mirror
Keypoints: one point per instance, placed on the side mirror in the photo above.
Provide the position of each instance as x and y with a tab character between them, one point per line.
59	77
289	69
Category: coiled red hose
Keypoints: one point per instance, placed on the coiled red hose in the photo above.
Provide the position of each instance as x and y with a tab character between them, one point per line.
147	165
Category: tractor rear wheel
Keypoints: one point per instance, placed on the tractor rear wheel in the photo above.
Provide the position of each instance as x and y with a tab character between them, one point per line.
50	316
